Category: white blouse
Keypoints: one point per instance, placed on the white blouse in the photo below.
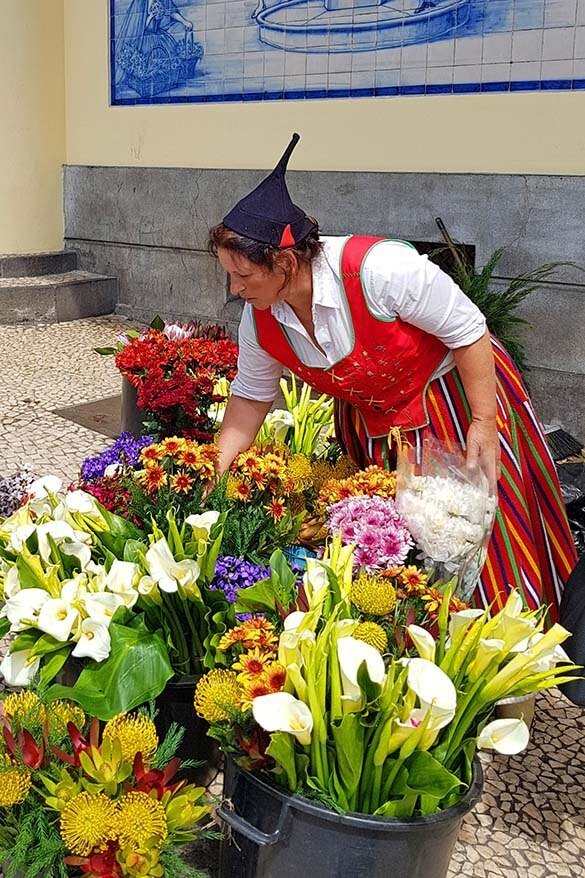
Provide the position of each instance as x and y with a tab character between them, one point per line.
397	282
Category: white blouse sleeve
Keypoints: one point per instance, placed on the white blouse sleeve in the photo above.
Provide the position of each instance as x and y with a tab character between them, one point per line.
400	282
258	373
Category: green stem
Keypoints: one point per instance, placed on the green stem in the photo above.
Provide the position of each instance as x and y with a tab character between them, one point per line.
178	637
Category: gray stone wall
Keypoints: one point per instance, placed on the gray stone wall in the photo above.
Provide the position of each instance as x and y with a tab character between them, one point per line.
148	226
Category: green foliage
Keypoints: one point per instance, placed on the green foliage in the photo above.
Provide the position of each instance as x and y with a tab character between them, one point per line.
175	866
169	746
38	850
499	304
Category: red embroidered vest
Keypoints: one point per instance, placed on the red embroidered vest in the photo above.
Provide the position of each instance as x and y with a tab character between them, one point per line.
386	374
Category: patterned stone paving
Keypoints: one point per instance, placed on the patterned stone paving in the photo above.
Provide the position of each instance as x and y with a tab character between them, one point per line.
531	819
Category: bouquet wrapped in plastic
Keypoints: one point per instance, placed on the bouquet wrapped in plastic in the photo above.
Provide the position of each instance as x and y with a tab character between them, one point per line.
449	510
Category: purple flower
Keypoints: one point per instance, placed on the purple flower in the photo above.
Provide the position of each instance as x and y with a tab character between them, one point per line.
13	491
376	527
233	574
125	450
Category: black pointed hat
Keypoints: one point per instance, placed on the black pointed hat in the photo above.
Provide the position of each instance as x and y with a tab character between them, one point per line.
268	214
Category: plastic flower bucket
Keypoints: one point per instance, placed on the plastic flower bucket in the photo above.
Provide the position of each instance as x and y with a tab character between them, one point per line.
274	834
132	416
175	704
298	555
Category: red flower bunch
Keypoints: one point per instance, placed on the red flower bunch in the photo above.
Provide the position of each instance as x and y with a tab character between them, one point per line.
176	379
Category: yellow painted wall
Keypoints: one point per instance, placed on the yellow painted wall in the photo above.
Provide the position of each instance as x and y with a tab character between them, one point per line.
32	125
510	133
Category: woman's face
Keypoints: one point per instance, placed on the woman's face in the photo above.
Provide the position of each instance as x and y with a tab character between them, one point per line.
256	284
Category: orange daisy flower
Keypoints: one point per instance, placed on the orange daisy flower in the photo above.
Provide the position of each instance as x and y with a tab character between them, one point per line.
275	676
258	622
253	689
241	491
155	477
152	453
230	638
251	664
277	509
172	446
190	456
413	577
181	483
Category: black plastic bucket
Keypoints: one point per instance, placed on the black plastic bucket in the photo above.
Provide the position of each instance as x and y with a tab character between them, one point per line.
175	704
273	835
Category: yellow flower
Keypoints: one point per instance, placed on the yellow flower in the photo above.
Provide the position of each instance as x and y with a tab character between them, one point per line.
236	489
372	634
136	733
88	821
251	664
321	472
299	471
62	712
181	483
216	693
373	595
150	454
141	819
413	578
15	784
23	704
173	446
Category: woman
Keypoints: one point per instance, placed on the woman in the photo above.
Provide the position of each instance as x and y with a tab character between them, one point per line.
397	344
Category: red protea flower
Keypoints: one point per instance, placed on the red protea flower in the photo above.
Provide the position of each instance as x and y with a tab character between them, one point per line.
153	779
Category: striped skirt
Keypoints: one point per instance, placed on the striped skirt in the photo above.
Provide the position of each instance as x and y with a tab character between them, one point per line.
531	548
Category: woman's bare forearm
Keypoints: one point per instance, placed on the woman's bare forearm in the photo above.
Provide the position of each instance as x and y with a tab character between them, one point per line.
242	420
475	364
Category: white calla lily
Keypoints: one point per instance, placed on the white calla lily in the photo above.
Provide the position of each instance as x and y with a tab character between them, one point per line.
101	606
168	573
553	656
202	524
44	486
61	533
57	618
424	642
487	650
112	470
506	736
278	422
293	620
352	654
94	641
80	501
463	619
121	580
11	583
23	609
513	606
282	712
20	535
315	582
19	668
434	690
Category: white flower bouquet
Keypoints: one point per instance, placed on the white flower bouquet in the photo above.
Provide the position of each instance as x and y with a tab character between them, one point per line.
449	510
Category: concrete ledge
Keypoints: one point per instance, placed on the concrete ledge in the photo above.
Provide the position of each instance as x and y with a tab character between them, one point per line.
69	297
37	264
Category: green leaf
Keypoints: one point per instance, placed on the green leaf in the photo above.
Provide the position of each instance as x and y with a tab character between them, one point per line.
46	645
134	551
282	750
257	598
426	776
105	352
135	672
51	668
157	323
370	689
4	627
402	809
24	640
348	736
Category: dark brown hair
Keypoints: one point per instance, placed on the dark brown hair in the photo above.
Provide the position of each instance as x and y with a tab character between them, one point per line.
264	255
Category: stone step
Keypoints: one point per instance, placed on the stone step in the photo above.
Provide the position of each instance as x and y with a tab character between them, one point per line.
56	298
37	264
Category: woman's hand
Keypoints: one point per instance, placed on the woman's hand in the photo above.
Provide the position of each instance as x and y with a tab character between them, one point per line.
483	449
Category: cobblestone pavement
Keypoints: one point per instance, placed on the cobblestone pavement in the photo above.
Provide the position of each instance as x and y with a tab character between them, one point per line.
531	819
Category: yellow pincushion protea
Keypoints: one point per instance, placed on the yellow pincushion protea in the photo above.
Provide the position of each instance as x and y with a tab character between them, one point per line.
141	819
373	595
298	472
88	822
61	713
136	733
372	634
18	705
15	784
216	693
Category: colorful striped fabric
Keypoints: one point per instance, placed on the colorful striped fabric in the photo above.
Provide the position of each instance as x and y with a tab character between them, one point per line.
531	548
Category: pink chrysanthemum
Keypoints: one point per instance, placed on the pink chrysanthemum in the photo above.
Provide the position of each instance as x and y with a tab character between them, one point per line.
379	532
